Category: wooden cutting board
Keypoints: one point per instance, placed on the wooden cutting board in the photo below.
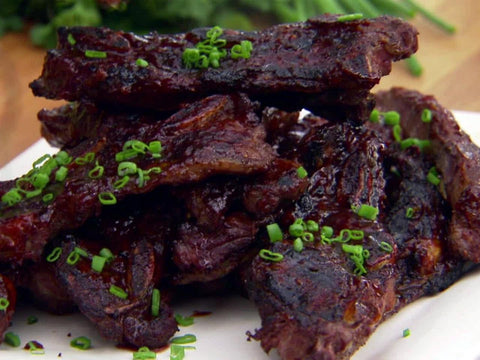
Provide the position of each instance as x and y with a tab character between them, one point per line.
452	73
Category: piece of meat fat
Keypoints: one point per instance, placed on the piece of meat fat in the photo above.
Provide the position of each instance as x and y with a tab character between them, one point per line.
456	158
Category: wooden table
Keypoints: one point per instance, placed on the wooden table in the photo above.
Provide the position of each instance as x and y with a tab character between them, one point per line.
452	73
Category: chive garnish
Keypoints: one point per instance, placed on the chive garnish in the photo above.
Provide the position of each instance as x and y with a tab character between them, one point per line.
432	176
270	255
426	115
155	302
32	319
88	158
421	144
95	54
184	320
350	17
118	292
391	118
366	211
73	258
61	174
414	66
274	232
301	172
97	171
385	246
11	339
177	352
242	50
375	116
81	343
406	333
55	254
312	226
47	198
98	263
298	245
144	353
185	339
409	213
141	63
397	133
34	349
71	40
4	303
107	198
107	254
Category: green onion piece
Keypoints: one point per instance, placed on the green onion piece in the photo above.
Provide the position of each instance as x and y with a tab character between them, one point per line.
155	302
391	118
137	145
327	231
126	155
12	197
185	339
375	116
366	211
88	158
141	63
298	245
62	158
184	320
107	198
274	232
96	172
406	333
270	255
409	213
144	353
155	147
98	263
385	246
357	255
32	320
61	174
344	236
55	254
81	343
414	66
433	177
214	33
120	183
127	168
397	133
47	198
431	17
392	7
357	234
177	352
11	339
33	193
80	251
118	292
40	180
96	54
4	303
73	258
295	230
307	236
350	17
155	169
312	226
141	177
107	254
38	163
34	349
242	50
301	172
190	57
421	144
71	40
426	115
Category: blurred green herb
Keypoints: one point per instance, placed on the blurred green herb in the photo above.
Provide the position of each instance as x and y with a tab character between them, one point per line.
169	16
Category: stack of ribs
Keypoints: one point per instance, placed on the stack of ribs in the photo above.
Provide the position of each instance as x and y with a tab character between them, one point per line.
232	142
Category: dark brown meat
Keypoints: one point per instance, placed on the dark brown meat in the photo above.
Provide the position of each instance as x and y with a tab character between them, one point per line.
9	294
456	158
218	135
329	59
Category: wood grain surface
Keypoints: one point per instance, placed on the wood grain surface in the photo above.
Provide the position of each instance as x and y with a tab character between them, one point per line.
451	73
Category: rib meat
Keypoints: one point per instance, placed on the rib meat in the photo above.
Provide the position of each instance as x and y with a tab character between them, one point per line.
332	62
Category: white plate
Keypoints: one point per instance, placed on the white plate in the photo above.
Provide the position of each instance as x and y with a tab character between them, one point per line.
443	327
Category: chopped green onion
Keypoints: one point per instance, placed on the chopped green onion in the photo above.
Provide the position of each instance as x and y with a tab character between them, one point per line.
366	211
421	144
88	158
270	255
431	16
375	116
344	236
33	193
358	256
155	169
118	292
409	213
327	231
81	343
307	236
62	158
301	172
12	339
426	115
295	229
47	198
126	155
298	245
155	302
40	180
242	50
12	197
61	174
98	263
414	66
107	198
34	349
32	320
185	339
120	183
350	17
55	254
107	254
357	234
385	246
391	118
80	251
184	320
96	54
397	133
141	63
177	352
38	163
4	303
312	226
155	147
406	333
139	146
71	40
127	168
144	353
73	258
432	176
96	172
274	232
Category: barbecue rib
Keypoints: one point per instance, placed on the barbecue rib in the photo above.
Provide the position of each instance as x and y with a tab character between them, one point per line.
332	63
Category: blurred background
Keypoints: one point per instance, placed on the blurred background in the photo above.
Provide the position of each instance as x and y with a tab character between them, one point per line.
449	53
